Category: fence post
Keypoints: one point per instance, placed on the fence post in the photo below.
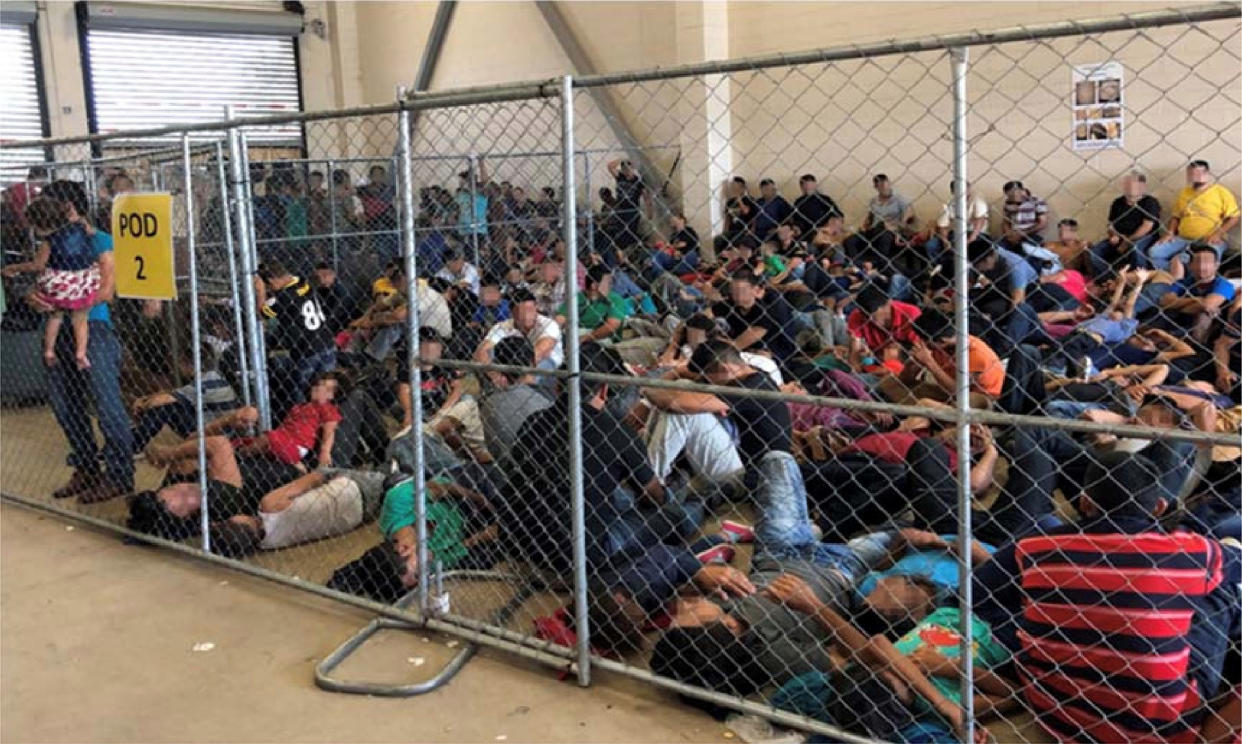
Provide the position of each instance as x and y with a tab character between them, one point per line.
195	341
590	214
474	212
405	182
244	238
259	345
572	362
238	324
330	181
958	57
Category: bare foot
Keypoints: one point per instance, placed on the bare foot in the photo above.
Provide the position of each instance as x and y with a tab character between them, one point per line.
49	359
84	362
158	456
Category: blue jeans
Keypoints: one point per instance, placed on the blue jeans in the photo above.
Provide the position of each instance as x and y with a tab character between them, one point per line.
1161	255
1071	409
900	288
783	527
71	389
623	285
687	264
630	527
1106	257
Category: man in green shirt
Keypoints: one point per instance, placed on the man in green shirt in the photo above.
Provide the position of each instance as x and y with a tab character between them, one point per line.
457	520
600	310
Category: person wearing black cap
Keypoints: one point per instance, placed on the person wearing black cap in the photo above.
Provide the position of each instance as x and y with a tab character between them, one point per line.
1113	599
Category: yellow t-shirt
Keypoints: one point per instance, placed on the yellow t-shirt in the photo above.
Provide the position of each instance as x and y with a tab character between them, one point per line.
1200	214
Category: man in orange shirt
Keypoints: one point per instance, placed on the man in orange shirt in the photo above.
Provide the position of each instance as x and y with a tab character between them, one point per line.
933	353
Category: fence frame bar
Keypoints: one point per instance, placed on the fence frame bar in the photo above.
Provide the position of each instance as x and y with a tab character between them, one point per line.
204	508
569	207
959	61
243	363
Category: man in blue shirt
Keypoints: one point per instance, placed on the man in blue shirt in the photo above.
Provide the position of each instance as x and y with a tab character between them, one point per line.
773	210
472	204
1193	301
1005	278
71	389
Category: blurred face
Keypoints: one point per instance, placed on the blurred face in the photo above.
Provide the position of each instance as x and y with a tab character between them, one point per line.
1156	416
122	185
697	612
323	391
884	188
550	272
695	337
605	285
316	182
519	194
1015	195
895	597
883	315
678	222
1197	176
1203	265
784	233
379	176
742	293
1133	188
489	295
456	265
524	315
768	191
327	277
808	187
1067	233
429	351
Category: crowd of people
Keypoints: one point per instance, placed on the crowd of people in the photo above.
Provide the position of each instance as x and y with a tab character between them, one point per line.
1106	568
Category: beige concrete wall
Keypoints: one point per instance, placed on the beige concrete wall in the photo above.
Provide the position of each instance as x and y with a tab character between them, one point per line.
844	121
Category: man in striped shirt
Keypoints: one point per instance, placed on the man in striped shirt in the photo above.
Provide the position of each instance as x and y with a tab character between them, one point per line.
1124	629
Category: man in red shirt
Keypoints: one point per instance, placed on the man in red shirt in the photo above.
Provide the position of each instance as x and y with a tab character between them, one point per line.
879	323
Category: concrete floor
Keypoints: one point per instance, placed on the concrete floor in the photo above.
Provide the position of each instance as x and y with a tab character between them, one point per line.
96	640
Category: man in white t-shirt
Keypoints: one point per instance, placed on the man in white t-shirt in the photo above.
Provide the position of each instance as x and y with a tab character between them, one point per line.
542	332
459	272
321	504
976	218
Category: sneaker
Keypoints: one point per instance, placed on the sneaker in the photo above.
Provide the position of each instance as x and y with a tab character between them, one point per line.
103	492
737	532
722	553
80	482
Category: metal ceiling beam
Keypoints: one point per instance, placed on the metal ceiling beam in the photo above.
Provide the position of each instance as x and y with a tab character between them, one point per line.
435	43
653	177
431	52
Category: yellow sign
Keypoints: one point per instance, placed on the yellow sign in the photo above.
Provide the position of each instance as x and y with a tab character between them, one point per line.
142	241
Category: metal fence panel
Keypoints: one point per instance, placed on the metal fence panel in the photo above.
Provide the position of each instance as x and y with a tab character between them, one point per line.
478	362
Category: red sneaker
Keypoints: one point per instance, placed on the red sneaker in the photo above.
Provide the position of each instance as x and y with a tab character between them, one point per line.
737	532
722	553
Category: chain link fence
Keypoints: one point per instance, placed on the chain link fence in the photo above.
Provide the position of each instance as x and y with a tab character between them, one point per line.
858	391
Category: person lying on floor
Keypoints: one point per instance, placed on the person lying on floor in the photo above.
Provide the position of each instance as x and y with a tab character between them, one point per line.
755	632
176	408
306	426
908	690
321	504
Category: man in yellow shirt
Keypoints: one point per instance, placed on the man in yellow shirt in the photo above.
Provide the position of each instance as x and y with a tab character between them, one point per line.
1205	212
